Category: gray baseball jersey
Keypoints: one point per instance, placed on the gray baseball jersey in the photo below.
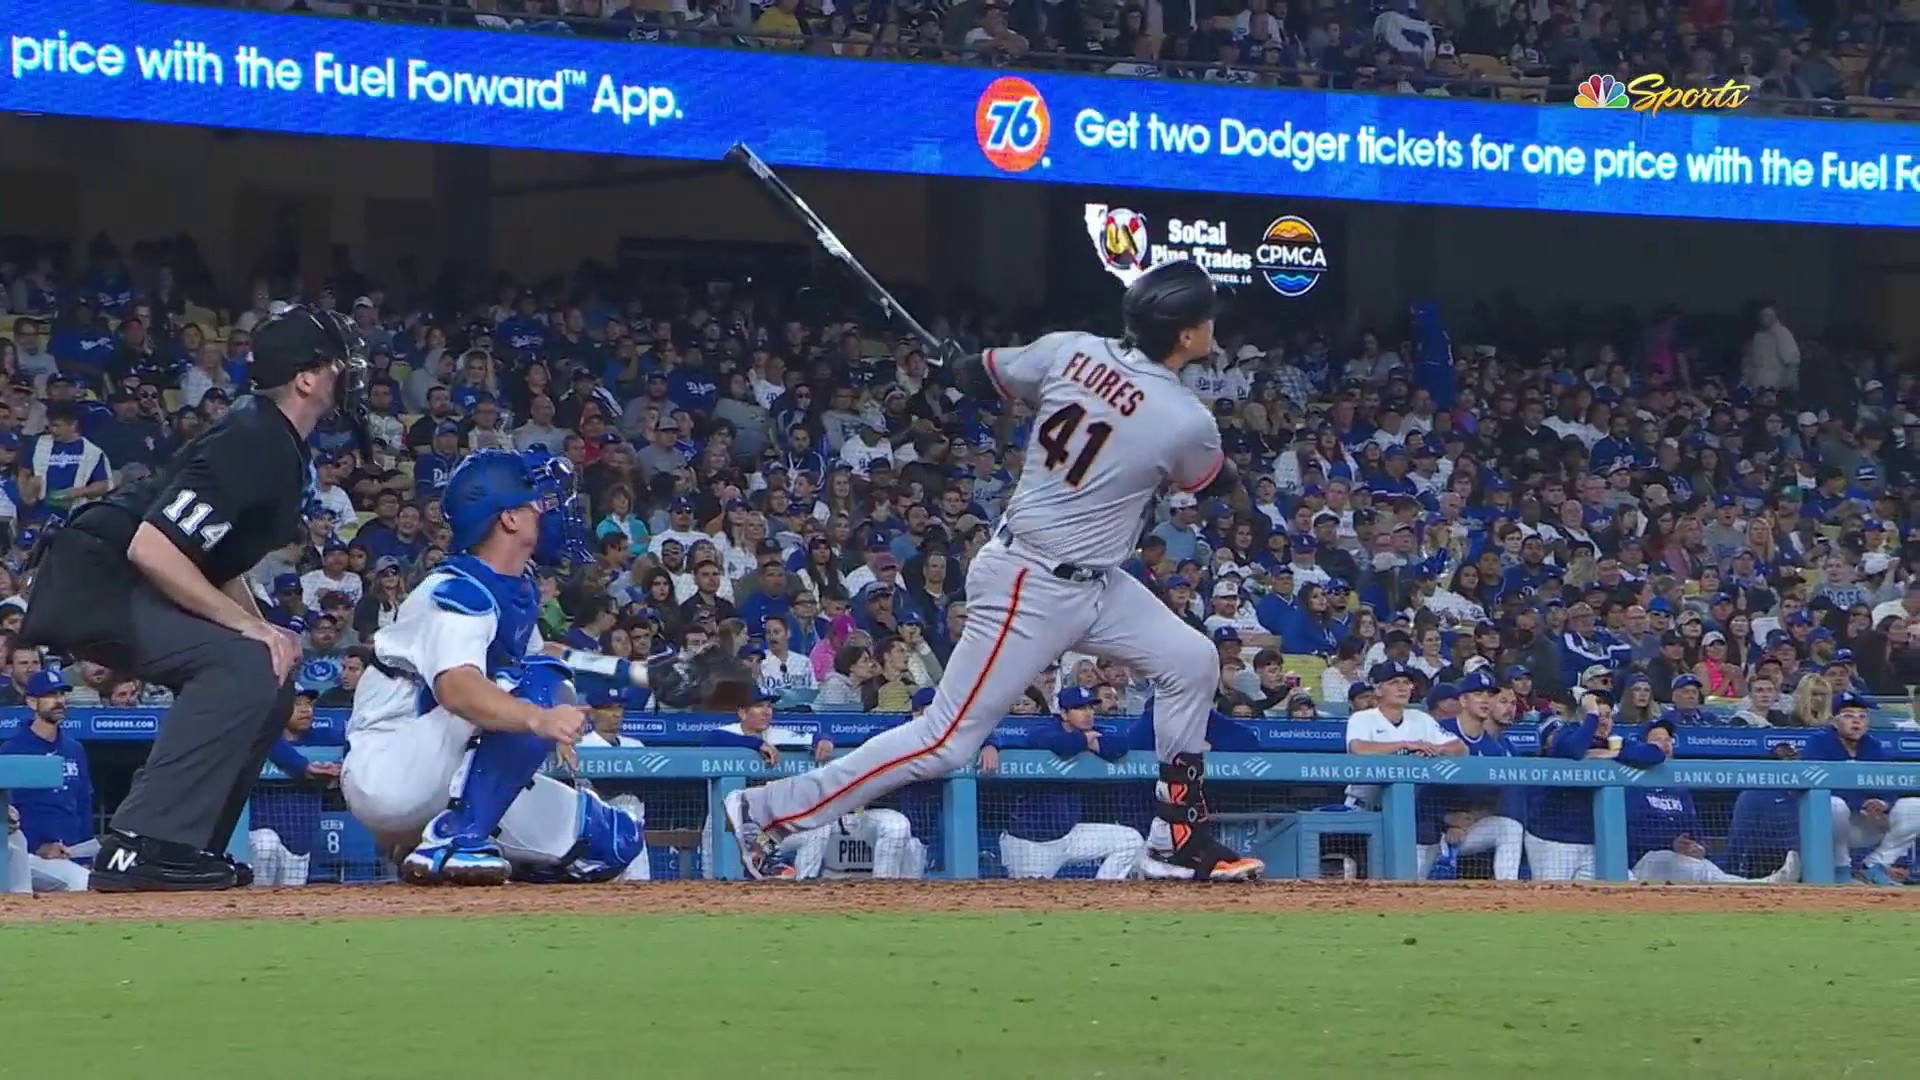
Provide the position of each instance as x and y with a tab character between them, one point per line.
1110	428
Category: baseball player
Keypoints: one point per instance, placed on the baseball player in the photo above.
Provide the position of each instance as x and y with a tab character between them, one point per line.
1393	726
1470	820
462	707
1113	426
1047	832
1880	820
1663	830
56	825
874	842
1560	820
280	820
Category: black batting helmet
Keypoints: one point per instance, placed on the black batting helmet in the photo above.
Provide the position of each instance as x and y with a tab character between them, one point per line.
1162	302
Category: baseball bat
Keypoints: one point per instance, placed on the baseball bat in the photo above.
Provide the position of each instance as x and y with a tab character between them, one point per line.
742	155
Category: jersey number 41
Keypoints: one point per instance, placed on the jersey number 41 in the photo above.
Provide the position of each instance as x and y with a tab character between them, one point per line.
1058	430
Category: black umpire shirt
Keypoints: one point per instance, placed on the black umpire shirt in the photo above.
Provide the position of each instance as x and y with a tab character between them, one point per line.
231	496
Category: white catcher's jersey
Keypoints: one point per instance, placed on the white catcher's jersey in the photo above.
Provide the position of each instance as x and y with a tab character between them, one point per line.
424	640
1110	428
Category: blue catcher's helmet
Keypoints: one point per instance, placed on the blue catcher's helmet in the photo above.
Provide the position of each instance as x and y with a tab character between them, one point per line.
491	482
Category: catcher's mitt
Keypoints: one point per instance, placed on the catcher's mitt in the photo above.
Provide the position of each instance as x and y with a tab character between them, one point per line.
713	678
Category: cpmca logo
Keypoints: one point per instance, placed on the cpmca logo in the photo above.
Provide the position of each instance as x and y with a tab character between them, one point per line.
1291	256
1601	92
1011	124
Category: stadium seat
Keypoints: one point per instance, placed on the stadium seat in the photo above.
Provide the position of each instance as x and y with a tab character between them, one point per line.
1486	66
1309	668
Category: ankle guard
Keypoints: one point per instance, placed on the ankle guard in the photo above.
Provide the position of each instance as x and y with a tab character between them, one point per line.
1181	802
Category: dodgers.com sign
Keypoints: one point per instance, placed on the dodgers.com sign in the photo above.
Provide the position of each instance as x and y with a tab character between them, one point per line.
154	62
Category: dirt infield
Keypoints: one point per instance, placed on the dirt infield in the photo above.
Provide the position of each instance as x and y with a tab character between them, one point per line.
870	897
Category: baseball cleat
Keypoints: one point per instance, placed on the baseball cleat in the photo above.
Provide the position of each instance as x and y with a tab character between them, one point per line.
456	864
1876	874
757	849
1167	866
440	859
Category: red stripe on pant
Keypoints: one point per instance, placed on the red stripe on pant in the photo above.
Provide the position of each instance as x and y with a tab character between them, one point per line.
1013	609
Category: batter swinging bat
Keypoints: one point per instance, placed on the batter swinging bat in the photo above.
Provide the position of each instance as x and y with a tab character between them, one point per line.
796	207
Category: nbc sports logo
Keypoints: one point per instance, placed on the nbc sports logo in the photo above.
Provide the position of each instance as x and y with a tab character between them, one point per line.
1011	124
1817	776
1601	92
1445	770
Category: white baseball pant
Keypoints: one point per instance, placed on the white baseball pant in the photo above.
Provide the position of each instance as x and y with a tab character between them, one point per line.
19	879
1552	860
1666	866
1501	835
1118	849
29	873
1020	618
396	779
272	863
878	842
1889	838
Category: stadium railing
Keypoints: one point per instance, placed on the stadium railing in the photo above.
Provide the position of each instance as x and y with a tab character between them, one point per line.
23	774
1256	782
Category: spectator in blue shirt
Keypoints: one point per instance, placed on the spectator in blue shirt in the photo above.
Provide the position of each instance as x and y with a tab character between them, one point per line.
431	469
1686	707
54	822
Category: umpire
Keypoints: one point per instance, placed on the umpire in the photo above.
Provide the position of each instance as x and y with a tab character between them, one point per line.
153	580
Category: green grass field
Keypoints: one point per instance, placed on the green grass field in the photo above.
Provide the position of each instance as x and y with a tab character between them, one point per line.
1058	996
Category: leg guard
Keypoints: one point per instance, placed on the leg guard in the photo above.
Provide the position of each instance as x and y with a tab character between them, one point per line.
1181	802
461	844
555	834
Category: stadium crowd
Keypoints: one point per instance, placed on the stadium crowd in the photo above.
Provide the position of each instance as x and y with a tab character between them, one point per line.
1666	506
1796	57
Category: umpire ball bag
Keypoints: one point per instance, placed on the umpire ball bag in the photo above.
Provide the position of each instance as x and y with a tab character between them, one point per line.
82	582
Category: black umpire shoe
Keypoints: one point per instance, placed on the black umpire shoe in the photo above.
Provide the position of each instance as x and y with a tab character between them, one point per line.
128	863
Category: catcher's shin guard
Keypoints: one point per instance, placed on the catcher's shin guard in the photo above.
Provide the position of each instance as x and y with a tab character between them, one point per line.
1181	802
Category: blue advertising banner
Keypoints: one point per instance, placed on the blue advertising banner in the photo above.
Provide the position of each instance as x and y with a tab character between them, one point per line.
1033	765
851	729
141	61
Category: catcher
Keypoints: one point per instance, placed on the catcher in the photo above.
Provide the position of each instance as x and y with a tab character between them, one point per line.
463	704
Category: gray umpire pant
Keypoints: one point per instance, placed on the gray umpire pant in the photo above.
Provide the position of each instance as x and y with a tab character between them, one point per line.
227	711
